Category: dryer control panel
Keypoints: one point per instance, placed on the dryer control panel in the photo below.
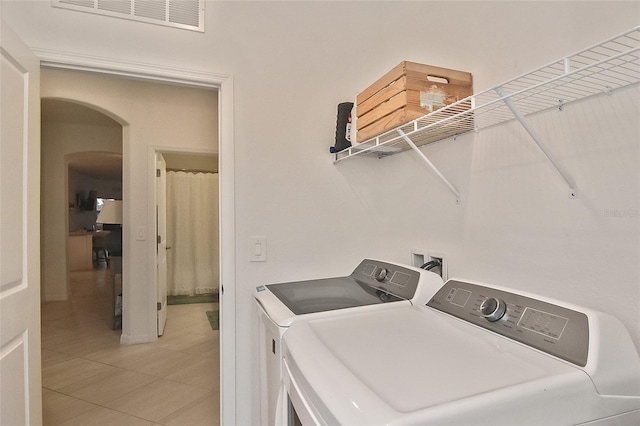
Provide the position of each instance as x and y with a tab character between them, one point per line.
549	327
387	277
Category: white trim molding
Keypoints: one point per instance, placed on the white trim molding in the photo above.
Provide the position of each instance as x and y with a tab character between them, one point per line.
91	63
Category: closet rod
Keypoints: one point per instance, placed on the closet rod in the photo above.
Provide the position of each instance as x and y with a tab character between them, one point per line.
191	171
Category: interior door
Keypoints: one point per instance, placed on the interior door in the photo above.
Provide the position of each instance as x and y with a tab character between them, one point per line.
20	368
161	239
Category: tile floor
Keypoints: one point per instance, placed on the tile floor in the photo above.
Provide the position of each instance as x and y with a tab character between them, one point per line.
88	378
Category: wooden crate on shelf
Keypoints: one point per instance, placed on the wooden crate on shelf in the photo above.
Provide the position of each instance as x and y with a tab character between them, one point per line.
408	91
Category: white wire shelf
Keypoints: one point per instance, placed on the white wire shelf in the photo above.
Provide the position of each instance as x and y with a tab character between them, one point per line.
600	69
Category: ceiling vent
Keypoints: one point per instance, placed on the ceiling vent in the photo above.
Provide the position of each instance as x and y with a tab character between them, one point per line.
186	14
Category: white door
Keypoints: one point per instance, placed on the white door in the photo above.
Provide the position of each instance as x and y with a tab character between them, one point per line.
161	239
20	368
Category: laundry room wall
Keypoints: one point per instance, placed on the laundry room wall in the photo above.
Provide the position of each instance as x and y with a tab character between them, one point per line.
293	62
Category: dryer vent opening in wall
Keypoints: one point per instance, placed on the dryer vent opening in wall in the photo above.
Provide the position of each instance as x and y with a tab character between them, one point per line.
185	14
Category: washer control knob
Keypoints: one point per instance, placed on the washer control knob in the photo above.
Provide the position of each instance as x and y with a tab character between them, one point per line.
493	309
381	274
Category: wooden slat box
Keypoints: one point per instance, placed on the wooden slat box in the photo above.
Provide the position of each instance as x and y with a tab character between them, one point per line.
408	91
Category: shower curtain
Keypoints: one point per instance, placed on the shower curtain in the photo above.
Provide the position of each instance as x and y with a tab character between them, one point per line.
192	233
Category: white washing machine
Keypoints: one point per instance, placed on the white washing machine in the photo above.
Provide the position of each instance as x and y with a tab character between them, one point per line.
474	354
373	286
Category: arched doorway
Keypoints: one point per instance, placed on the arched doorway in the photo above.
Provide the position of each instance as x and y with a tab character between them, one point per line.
81	152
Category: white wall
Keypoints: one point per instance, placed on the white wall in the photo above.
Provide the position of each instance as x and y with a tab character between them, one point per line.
293	62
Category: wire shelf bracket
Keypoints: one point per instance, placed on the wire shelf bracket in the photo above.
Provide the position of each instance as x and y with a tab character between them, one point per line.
430	164
538	140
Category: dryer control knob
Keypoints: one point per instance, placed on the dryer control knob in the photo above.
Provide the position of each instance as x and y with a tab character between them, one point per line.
381	274
493	309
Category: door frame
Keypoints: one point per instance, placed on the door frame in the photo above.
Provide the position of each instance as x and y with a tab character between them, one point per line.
226	165
160	183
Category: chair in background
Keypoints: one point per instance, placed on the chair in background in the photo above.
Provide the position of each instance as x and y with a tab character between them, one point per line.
113	240
99	246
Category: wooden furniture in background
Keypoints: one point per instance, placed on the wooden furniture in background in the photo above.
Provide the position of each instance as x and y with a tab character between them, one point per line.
99	244
79	251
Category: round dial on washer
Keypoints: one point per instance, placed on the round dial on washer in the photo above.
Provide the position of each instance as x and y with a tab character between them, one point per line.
493	309
381	274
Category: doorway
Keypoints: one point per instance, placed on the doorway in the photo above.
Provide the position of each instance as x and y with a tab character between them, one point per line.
141	330
81	153
152	116
187	223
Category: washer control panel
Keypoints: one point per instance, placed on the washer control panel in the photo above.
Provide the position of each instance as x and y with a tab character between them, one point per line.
551	328
388	277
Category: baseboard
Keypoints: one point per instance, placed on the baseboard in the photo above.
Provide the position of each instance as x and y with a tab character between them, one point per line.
125	339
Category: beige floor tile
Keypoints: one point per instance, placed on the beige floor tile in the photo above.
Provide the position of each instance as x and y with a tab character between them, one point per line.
54	336
184	317
204	374
157	400
65	373
105	387
101	416
50	358
120	355
84	322
84	365
58	408
182	341
209	348
201	412
52	311
203	327
88	345
178	324
161	362
177	310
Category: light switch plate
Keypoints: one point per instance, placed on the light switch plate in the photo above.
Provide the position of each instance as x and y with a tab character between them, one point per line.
140	233
258	249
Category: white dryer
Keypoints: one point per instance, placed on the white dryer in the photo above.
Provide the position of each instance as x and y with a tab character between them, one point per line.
474	354
374	285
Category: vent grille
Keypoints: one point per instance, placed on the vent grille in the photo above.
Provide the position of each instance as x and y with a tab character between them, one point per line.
183	12
83	3
186	14
151	9
117	6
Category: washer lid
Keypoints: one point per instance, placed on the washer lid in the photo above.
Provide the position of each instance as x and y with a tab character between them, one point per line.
410	359
328	294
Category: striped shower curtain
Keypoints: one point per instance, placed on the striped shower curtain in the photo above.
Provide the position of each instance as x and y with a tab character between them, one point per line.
192	233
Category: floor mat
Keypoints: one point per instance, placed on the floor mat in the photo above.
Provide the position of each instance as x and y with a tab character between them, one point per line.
200	298
214	319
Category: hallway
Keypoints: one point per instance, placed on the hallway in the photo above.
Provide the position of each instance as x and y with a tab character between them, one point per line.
88	378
